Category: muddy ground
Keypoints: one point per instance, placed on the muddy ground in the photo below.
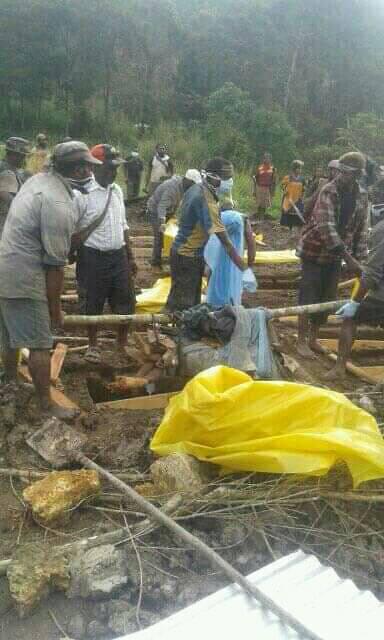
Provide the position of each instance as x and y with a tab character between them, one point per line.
348	536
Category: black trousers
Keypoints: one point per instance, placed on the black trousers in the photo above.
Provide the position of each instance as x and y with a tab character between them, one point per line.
318	284
107	278
187	275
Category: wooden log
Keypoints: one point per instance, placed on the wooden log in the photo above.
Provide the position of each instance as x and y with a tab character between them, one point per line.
358	345
329	307
156	401
116	320
363	373
57	361
162	318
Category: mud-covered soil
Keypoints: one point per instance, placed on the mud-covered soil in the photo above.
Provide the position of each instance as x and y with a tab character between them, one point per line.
348	537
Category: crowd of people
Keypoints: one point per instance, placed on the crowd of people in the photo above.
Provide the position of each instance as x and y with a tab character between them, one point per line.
66	206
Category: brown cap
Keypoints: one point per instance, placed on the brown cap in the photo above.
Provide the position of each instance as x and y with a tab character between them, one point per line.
18	145
73	151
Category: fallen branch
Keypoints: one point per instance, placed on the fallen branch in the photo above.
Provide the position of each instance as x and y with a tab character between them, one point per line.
117	536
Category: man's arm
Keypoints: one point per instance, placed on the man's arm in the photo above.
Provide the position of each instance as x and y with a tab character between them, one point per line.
273	183
250	242
149	171
54	278
131	258
231	251
170	168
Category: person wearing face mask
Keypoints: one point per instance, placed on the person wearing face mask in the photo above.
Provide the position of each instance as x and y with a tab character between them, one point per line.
12	173
33	251
108	266
199	218
160	168
133	169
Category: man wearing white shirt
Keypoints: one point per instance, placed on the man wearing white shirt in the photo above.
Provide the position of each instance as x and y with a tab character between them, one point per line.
107	264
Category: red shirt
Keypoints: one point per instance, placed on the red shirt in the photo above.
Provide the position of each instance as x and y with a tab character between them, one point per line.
265	175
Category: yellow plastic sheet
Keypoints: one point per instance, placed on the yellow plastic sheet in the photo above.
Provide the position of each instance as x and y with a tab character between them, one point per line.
169	235
224	417
286	256
153	300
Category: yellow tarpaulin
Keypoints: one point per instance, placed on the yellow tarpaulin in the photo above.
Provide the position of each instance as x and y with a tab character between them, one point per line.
153	300
169	236
286	256
224	417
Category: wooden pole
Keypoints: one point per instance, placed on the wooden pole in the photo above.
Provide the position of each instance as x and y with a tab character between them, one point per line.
164	318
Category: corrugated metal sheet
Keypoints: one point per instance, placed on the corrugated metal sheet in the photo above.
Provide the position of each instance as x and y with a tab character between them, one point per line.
333	608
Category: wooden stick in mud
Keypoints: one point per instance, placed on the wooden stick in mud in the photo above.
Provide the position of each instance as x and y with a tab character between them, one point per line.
164	318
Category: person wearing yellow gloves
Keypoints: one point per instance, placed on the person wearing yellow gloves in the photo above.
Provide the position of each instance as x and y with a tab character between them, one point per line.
366	305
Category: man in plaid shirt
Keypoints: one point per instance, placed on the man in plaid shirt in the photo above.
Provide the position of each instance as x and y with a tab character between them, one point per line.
336	231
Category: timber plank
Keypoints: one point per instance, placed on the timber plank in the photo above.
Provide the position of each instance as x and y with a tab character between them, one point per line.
156	401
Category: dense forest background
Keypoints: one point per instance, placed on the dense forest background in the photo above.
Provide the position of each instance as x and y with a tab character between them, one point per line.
236	77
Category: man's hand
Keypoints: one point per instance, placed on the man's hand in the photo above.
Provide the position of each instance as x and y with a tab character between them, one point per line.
353	265
349	309
133	268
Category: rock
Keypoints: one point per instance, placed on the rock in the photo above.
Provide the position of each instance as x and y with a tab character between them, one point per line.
178	473
77	627
97	572
97	629
366	403
122	617
59	492
6	601
33	572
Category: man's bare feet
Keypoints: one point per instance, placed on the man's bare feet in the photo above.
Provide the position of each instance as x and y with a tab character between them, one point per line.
304	351
335	374
317	347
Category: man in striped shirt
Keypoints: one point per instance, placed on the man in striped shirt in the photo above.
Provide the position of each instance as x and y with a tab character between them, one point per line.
107	264
335	232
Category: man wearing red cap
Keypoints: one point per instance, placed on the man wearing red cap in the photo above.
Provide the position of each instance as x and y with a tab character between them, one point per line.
107	264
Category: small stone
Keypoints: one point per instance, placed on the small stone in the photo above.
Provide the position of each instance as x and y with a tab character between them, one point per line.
97	572
366	403
77	627
59	492
96	629
122	617
33	572
178	473
6	601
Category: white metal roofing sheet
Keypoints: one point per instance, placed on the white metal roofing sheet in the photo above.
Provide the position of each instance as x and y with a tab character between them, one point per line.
328	605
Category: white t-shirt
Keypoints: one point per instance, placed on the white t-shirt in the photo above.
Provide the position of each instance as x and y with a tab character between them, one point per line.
159	168
109	235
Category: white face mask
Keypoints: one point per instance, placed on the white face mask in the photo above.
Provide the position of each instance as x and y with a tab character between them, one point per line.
224	187
134	154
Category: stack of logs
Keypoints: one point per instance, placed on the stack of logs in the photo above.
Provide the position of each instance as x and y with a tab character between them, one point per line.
154	353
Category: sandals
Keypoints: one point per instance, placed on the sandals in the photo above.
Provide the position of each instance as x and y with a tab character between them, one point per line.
93	355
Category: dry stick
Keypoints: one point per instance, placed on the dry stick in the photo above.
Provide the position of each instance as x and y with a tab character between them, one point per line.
26	474
117	536
353	497
215	559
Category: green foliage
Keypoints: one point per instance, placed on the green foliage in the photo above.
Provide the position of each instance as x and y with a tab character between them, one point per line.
365	132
